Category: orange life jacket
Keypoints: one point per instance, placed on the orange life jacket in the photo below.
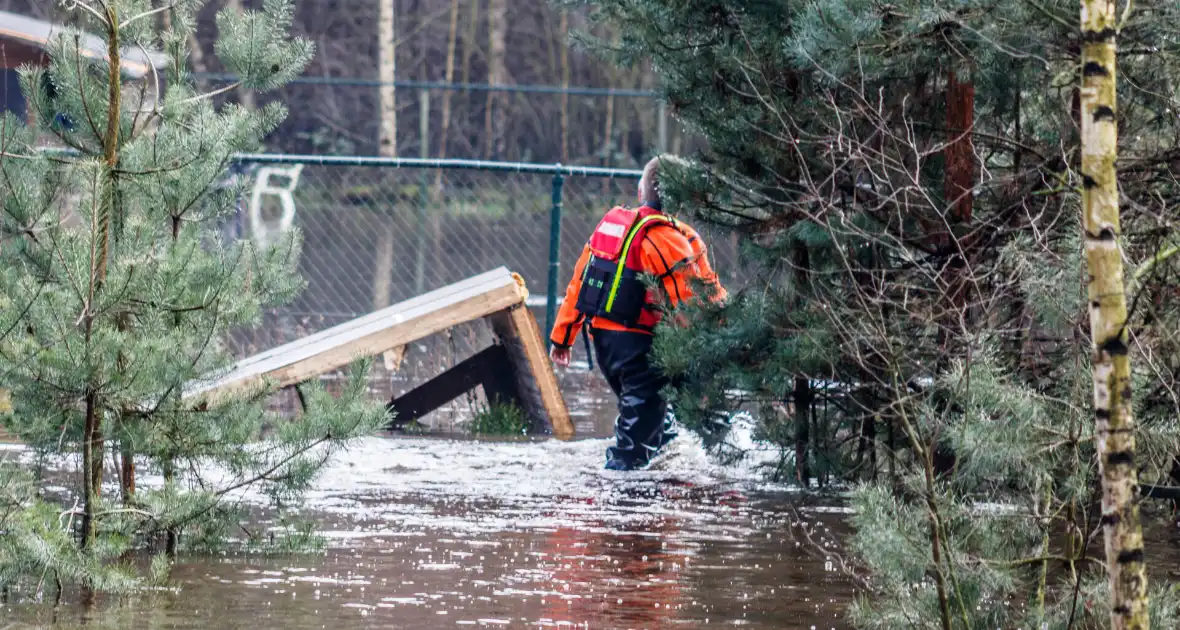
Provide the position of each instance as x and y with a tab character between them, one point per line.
669	251
612	288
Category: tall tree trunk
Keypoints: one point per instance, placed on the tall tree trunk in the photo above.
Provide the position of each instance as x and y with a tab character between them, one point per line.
92	439
386	144
127	472
126	464
469	40
436	211
495	117
958	183
421	15
171	536
110	195
960	152
386	75
91	467
953	235
452	39
470	44
565	84
866	448
802	397
1115	425
383	264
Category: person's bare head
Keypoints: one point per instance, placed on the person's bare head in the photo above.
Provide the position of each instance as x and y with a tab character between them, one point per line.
649	183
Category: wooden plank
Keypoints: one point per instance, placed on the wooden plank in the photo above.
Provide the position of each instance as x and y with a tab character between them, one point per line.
489	367
497	277
373	334
518	331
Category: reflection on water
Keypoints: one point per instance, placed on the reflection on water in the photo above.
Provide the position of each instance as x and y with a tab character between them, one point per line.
432	533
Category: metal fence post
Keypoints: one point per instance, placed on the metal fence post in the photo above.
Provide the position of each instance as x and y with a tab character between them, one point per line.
554	253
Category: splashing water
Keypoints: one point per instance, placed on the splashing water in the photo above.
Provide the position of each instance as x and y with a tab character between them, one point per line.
428	532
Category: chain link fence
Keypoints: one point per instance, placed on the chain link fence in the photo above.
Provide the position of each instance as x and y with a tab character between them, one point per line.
378	231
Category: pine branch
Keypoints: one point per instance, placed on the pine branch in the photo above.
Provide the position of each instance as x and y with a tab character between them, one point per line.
209	95
146	14
85	6
81	72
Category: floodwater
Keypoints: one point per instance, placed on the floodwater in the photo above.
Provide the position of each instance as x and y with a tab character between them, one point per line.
430	532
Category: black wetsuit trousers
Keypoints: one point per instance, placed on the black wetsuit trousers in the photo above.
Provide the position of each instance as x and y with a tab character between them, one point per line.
624	358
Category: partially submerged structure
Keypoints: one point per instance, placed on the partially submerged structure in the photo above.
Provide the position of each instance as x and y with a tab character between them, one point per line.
515	369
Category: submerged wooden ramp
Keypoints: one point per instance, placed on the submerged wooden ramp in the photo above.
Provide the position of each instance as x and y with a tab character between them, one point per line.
516	368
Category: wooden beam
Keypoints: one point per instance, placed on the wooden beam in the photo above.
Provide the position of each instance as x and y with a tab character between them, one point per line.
489	367
517	329
485	280
367	336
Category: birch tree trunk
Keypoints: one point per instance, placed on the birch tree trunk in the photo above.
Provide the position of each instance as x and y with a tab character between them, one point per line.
1108	320
386	143
387	73
469	43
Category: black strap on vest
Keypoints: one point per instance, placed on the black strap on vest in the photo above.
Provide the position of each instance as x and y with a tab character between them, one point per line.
586	339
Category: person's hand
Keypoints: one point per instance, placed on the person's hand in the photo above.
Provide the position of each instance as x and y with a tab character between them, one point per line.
560	356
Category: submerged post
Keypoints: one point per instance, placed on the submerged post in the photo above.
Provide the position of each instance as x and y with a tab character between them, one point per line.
554	253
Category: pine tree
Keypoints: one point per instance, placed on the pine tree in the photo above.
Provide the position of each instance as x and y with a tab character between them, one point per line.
907	181
118	292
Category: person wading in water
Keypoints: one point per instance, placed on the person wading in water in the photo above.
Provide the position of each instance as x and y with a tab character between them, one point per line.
607	296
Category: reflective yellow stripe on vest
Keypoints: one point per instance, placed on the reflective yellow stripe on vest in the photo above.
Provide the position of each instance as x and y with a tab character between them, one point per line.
614	287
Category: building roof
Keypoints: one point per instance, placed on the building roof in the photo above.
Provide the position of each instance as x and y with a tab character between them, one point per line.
38	33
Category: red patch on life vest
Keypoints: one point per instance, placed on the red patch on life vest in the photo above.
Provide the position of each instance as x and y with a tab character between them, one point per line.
608	238
611	234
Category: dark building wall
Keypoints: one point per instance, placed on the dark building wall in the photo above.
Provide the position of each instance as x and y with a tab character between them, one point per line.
14	100
14	54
